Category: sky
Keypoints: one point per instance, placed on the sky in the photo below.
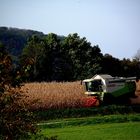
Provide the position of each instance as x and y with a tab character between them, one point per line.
114	25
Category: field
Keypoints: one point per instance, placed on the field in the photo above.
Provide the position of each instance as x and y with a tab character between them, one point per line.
70	95
56	95
110	127
112	131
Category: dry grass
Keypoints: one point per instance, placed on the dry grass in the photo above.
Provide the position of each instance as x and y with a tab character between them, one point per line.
55	95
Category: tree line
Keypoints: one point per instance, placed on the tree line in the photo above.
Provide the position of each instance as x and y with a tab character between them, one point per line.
51	58
40	57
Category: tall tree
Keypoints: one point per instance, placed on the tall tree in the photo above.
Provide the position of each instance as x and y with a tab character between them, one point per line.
58	68
53	59
84	58
33	55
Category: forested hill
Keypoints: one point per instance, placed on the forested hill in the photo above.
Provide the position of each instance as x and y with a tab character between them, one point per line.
14	39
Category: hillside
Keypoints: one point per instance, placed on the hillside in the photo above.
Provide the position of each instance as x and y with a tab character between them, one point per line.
15	39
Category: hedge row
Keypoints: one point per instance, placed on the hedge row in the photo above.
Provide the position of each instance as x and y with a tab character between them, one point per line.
85	112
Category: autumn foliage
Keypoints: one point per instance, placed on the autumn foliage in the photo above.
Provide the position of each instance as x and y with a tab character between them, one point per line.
16	120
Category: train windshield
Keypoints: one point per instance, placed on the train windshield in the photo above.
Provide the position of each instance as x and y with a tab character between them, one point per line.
94	86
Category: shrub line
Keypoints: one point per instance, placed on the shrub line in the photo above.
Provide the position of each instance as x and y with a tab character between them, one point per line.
85	112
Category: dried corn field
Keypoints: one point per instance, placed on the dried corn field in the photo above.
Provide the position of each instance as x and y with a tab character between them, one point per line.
61	95
55	95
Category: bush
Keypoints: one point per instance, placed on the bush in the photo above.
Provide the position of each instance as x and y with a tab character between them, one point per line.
16	120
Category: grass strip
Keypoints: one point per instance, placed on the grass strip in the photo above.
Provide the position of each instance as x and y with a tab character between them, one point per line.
90	121
109	131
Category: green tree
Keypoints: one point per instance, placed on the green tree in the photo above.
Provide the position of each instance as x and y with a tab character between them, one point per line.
94	60
84	59
52	44
32	58
111	65
57	66
52	58
130	67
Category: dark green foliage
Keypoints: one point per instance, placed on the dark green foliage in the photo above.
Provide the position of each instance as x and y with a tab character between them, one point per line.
57	68
84	112
131	68
111	65
71	58
84	58
15	39
124	68
58	58
32	58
